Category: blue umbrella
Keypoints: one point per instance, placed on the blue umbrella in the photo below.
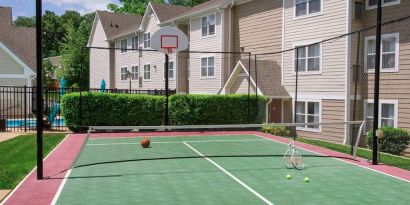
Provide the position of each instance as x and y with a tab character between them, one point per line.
103	84
62	86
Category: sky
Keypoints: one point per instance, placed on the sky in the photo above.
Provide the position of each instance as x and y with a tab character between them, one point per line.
27	7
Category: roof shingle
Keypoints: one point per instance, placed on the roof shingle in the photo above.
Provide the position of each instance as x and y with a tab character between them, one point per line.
166	12
19	40
115	24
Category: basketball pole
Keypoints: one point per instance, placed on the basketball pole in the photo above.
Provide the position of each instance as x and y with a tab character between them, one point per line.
39	94
166	89
376	81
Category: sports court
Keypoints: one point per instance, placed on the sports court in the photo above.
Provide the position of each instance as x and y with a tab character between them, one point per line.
209	167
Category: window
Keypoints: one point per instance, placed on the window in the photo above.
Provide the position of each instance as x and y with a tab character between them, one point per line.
387	112
373	3
134	42
124	44
170	70
147	72
389	55
308	58
147	40
208	67
123	73
307	7
308	112
134	72
208	25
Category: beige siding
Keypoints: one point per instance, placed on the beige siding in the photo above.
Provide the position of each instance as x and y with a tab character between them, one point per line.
258	26
8	65
155	59
99	58
332	111
182	66
301	31
13	81
198	84
393	85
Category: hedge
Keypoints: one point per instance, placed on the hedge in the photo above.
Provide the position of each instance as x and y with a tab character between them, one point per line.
394	140
216	109
106	109
113	109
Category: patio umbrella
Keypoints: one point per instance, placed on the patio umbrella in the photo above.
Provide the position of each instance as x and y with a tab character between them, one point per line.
62	86
103	84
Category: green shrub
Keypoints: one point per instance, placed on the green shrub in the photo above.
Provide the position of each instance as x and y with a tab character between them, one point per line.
276	130
216	109
112	109
394	141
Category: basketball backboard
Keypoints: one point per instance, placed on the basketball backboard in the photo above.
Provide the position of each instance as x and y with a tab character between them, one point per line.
169	40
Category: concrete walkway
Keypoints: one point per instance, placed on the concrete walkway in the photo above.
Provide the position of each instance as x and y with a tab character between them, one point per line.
9	135
3	194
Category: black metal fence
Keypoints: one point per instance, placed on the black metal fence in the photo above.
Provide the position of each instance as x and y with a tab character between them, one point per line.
18	110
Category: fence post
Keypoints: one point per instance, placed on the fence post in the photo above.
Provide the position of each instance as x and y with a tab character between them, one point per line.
25	108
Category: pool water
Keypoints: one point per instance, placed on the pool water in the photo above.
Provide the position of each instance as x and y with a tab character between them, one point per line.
31	122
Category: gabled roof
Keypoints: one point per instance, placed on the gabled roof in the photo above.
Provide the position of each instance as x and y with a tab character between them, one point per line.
269	82
165	12
204	6
21	41
115	24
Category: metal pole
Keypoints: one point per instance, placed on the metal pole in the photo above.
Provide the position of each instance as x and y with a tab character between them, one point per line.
376	80
166	89
249	88
39	94
256	87
356	79
80	109
25	108
296	84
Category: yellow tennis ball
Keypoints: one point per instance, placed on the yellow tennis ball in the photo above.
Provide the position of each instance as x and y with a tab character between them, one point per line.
289	176
307	179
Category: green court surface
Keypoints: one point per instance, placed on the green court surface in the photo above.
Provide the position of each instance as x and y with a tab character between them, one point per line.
119	171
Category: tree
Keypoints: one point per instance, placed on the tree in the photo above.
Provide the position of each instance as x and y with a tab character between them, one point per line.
187	2
136	7
48	72
24	21
53	34
72	17
72	58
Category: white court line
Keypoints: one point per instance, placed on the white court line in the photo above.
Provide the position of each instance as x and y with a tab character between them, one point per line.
194	141
380	172
31	172
60	188
231	175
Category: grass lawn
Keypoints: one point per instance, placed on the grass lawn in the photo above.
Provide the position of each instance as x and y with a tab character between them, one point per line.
397	161
18	157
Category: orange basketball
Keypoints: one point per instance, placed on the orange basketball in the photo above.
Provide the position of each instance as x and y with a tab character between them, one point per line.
145	142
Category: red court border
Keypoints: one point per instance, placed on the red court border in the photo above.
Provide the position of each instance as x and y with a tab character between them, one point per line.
40	192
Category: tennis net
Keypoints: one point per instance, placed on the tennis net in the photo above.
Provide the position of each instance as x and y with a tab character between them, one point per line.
115	144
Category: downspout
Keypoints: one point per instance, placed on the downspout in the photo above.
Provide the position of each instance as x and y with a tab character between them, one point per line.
267	110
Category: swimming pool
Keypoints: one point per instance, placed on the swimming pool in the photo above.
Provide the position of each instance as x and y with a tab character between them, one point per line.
31	122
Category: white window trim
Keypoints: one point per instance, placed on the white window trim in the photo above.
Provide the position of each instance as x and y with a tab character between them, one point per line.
385	70
319	72
200	67
307	15
126	51
145	40
382	101
138	42
150	72
136	65
383	4
173	70
121	67
320	114
207	31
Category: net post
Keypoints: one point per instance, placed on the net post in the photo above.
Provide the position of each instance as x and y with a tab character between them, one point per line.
359	133
39	94
166	118
376	82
